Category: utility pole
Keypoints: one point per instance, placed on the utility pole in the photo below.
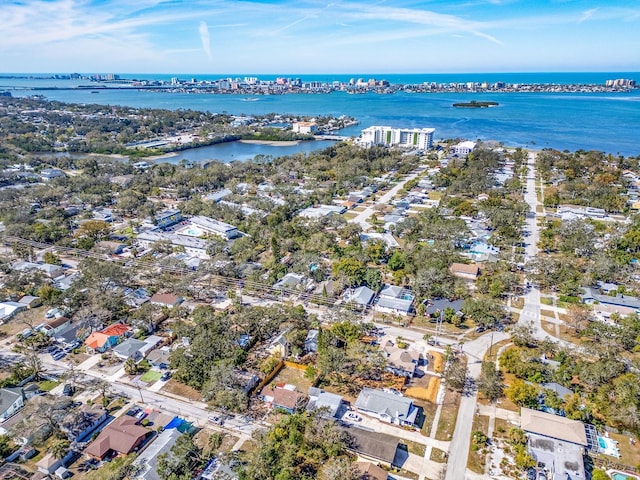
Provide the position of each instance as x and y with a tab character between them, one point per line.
139	391
491	345
439	325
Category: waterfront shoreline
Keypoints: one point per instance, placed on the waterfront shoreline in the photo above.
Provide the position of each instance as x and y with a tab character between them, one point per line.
272	143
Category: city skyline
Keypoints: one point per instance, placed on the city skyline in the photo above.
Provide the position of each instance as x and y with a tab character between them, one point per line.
154	36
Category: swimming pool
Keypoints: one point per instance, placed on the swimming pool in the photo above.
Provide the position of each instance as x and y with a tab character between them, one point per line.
609	446
615	475
191	231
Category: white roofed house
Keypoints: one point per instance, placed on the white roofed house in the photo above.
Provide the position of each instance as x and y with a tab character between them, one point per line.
330	404
463	148
361	296
386	406
395	300
556	443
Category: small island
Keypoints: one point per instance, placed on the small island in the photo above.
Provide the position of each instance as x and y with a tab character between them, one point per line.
475	104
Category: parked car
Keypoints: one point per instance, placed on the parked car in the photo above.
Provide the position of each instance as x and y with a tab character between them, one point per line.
216	420
354	417
68	390
165	376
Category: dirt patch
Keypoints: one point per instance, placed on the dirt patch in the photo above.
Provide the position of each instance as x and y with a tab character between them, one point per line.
439	456
428	393
477	460
448	415
182	390
292	376
436	361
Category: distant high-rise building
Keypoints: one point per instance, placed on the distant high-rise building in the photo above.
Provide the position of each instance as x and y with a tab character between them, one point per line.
419	138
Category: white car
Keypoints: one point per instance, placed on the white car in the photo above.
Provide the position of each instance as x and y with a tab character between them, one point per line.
354	417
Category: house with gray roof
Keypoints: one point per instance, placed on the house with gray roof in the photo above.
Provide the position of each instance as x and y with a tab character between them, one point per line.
437	305
556	443
374	446
386	406
130	348
147	461
11	401
361	295
330	404
289	281
395	300
592	295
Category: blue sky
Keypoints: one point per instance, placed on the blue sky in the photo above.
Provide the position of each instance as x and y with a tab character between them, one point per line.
300	36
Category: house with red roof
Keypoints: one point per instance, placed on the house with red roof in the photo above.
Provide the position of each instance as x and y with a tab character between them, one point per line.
120	437
106	338
283	397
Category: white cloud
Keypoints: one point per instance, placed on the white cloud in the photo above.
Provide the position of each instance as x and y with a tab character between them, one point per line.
205	38
587	14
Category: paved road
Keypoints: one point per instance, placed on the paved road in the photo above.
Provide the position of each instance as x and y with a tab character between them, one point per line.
363	216
191	410
459	448
530	314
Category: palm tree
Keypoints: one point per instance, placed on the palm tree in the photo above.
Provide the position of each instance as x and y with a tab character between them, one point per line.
60	449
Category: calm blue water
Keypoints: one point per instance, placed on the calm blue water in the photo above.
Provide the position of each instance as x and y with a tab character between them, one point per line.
232	151
607	122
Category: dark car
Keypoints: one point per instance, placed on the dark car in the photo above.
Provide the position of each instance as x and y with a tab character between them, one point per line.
165	376
68	390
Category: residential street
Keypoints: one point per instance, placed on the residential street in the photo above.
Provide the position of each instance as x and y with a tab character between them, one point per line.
531	312
363	216
459	448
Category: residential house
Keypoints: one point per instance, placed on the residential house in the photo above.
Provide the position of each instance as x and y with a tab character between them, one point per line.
159	358
330	405
436	306
373	446
11	401
51	271
49	464
219	195
320	211
75	331
603	312
147	461
463	148
30	301
283	397
386	406
110	247
64	283
361	296
395	300
246	379
129	349
311	342
556	443
80	424
168	300
591	295
371	471
109	337
51	173
120	437
401	362
289	281
54	326
279	346
9	309
466	271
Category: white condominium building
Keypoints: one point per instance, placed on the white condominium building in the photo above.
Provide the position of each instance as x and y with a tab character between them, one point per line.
419	138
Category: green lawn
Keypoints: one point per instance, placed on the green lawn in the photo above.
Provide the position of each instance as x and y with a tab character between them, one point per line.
150	376
48	385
